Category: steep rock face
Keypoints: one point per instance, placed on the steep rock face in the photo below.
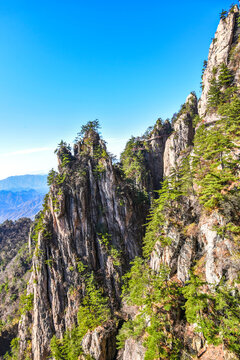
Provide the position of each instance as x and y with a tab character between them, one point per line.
133	350
182	137
195	229
154	155
195	241
14	274
142	158
101	343
92	201
179	256
219	52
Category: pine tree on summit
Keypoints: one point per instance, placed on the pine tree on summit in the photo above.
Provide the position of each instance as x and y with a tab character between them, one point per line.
223	14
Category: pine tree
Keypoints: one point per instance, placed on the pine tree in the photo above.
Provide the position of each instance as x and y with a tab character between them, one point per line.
223	14
214	93
225	77
158	298
215	310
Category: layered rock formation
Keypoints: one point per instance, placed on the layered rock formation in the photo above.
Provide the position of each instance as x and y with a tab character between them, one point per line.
182	138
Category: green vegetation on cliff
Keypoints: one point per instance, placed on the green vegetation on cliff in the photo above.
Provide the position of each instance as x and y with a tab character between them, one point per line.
158	298
94	311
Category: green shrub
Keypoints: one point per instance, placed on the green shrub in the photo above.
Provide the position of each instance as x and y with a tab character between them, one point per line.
177	185
132	160
26	303
13	355
215	167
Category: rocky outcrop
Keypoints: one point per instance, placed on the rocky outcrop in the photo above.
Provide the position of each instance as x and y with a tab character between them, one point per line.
220	52
142	159
132	350
101	343
195	241
181	140
154	156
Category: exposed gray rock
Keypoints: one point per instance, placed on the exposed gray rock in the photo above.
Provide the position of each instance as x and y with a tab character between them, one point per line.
154	157
101	343
132	350
219	53
182	136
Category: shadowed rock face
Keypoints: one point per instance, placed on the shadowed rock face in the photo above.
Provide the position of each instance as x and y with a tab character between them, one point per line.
181	140
154	156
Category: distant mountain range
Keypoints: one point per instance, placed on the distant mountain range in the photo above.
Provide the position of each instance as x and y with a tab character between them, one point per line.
22	196
25	182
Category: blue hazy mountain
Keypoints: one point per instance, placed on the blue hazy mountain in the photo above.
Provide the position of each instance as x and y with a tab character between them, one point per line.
25	182
15	205
22	196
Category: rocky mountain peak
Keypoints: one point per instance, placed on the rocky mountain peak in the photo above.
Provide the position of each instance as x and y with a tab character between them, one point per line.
219	53
181	140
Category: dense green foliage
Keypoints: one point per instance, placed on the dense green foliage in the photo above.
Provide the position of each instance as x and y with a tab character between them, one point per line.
216	148
215	310
13	355
26	302
91	126
212	175
222	88
132	159
177	185
159	301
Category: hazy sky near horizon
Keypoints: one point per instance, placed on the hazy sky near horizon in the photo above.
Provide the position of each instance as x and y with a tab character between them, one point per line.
64	63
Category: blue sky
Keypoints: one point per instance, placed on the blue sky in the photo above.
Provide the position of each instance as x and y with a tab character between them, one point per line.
64	63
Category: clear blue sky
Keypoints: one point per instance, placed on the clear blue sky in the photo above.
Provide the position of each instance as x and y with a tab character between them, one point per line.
64	63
